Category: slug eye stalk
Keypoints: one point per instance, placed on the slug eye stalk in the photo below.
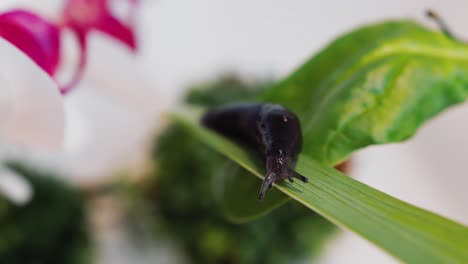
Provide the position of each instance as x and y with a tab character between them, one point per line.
272	177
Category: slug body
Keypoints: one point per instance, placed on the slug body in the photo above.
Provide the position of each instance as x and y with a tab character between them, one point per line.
271	129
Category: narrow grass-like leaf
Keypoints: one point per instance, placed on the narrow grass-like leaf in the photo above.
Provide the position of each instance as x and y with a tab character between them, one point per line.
410	233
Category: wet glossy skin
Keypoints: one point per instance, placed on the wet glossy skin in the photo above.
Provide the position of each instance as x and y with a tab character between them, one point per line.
270	128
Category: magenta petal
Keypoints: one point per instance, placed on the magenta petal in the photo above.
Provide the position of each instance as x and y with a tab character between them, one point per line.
79	70
35	36
86	15
81	16
113	27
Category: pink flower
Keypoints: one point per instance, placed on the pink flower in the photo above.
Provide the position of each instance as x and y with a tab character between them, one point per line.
40	38
82	16
35	36
85	15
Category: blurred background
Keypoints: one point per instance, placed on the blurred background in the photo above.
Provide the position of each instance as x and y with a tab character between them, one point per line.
112	119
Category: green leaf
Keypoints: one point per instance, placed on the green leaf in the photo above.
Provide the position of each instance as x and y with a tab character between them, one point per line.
375	85
410	233
235	190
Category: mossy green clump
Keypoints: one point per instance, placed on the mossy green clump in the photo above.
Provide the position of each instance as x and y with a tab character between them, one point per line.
181	194
226	89
51	228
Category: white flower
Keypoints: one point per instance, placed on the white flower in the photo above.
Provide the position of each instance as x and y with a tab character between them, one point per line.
31	115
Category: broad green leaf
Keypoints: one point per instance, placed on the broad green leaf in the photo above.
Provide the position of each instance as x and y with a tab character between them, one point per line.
410	233
375	85
236	189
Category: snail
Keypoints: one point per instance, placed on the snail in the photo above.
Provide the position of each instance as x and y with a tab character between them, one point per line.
271	129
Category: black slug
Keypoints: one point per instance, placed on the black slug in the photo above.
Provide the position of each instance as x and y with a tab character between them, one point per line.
271	129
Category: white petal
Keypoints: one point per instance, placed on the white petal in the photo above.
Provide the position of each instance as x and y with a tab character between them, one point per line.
14	187
31	107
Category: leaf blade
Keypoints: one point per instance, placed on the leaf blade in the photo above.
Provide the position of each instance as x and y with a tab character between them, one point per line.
405	231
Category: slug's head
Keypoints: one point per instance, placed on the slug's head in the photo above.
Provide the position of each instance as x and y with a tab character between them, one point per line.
280	132
279	168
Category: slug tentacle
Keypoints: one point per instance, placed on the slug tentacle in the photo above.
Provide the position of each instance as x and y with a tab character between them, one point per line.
296	175
271	129
266	184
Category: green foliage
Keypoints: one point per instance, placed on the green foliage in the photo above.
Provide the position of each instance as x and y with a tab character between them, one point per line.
409	233
375	85
184	195
51	228
226	89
